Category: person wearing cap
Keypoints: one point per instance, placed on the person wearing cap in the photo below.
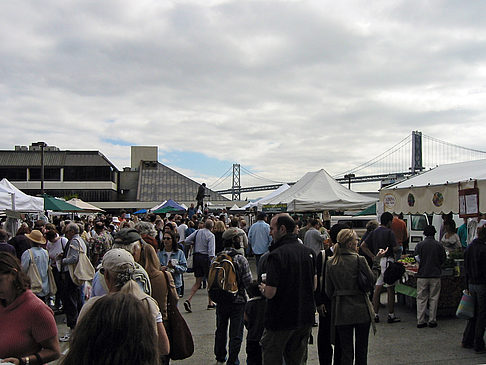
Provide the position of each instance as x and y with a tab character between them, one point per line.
431	255
41	259
130	240
118	268
232	312
475	269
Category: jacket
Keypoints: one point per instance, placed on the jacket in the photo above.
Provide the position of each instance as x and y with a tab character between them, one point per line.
349	305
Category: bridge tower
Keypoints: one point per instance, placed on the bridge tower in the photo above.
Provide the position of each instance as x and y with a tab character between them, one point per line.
416	165
236	188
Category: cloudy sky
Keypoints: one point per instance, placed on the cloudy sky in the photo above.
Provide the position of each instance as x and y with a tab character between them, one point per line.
281	87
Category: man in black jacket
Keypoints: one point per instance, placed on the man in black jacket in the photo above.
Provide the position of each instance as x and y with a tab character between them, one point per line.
289	287
431	255
474	265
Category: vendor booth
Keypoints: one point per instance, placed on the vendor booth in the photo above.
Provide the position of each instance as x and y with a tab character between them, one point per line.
455	188
318	191
447	188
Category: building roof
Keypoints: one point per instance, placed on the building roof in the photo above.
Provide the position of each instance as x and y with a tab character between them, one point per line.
158	182
53	158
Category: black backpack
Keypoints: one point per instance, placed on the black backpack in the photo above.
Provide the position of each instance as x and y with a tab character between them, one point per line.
393	272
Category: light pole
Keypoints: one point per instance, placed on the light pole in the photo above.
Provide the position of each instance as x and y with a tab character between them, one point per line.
42	145
349	177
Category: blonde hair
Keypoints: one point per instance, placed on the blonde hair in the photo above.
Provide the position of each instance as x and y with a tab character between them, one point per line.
345	240
219	226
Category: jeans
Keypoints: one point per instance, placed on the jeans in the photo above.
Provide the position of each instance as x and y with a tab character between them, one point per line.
291	345
360	352
474	332
234	314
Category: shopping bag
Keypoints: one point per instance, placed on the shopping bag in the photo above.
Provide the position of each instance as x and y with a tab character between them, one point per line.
465	309
52	282
83	270
34	276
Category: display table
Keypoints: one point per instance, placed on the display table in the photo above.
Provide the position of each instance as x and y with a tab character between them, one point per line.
450	293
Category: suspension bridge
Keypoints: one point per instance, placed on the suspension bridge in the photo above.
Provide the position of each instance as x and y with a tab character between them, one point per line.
413	154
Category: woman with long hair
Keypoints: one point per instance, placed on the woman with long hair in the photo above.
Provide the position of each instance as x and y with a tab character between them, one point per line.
117	329
173	260
351	309
118	268
219	228
28	330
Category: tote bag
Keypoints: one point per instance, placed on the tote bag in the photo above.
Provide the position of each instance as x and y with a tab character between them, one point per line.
52	282
34	276
83	270
465	309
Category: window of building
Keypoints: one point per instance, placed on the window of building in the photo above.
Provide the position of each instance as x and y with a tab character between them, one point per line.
50	174
13	173
88	173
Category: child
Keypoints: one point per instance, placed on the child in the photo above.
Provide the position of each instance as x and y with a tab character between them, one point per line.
253	319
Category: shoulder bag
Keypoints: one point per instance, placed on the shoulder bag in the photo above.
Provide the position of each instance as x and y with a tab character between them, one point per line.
180	336
34	276
83	270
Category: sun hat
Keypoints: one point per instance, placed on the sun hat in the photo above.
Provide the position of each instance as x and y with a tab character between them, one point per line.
36	236
118	260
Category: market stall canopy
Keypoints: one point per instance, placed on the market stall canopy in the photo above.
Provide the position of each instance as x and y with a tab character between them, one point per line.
167	209
437	190
13	199
169	206
318	191
158	206
141	211
58	205
84	206
266	198
371	210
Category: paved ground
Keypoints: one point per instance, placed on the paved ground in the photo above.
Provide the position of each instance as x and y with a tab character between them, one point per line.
398	343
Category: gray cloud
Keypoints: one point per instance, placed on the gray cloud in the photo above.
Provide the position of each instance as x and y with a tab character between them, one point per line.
282	87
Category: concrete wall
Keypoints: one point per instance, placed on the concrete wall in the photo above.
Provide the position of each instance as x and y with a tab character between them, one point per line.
143	153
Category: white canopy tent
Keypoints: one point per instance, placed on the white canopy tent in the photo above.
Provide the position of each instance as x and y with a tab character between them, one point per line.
266	198
318	191
86	207
437	190
13	199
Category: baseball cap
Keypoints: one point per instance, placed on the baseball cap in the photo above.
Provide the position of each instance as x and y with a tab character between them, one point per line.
118	260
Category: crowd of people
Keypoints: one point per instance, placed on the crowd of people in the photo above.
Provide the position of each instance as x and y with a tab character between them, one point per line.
302	269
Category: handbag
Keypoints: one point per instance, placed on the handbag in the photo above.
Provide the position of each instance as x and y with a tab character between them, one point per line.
465	309
180	336
83	270
52	282
190	258
364	283
34	276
